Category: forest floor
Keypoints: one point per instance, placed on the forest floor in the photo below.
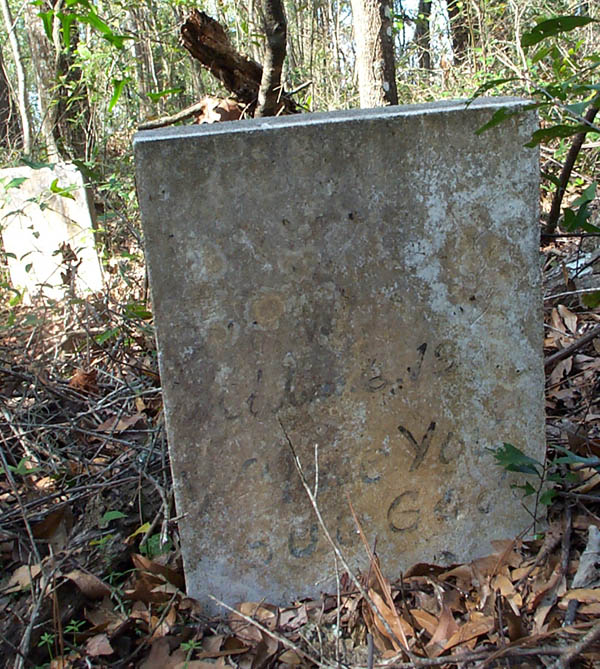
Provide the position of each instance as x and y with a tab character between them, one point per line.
91	570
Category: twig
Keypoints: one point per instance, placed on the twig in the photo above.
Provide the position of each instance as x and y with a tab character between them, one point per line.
581	291
15	491
370	651
336	550
569	350
274	635
338	613
569	654
182	115
24	645
151	630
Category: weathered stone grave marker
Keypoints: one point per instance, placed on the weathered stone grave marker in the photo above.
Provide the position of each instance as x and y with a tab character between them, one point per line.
36	223
363	280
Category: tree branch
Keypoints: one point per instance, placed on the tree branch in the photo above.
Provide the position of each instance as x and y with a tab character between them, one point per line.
565	174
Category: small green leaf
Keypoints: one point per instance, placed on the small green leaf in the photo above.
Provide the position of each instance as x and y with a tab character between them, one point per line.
554	26
105	336
561	130
47	20
547	497
118	85
34	164
155	97
63	192
497	117
135	310
484	88
591	300
16	182
514	460
66	21
540	54
111	515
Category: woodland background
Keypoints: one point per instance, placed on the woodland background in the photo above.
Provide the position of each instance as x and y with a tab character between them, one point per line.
91	572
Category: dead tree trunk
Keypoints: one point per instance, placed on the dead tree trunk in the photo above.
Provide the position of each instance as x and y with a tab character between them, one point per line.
207	41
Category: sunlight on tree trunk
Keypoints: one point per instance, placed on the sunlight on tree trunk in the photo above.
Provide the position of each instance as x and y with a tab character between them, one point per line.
374	53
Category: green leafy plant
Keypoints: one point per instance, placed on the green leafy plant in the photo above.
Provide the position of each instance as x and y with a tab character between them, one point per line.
154	546
74	627
47	639
189	647
512	459
565	89
22	469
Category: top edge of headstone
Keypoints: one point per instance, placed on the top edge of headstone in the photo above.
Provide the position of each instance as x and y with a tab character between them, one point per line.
323	118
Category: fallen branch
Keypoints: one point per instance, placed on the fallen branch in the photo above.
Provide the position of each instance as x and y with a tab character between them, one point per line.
208	42
182	115
575	346
274	635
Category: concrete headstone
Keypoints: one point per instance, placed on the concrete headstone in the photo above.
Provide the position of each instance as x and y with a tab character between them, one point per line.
366	281
49	236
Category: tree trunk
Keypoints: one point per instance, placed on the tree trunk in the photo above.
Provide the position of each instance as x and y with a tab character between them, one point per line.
9	126
423	34
459	30
374	53
21	81
43	59
270	91
62	93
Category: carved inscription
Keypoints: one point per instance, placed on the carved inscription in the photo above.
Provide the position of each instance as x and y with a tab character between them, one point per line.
420	449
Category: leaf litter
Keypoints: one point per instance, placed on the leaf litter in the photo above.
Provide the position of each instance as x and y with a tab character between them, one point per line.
89	543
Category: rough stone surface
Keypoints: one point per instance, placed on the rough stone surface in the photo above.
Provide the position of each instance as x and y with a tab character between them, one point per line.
36	223
365	281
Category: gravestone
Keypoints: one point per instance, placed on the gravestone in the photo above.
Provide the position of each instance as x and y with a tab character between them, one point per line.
364	282
47	230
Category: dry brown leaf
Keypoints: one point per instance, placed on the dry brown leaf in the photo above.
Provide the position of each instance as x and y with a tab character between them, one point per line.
106	618
381	641
590	609
91	586
397	624
115	425
85	382
194	664
585	595
290	657
145	564
446	629
98	645
473	628
165	626
22	577
245	631
426	620
46	529
557	376
160	656
569	318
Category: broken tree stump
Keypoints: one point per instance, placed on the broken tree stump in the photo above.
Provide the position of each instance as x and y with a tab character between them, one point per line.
207	41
